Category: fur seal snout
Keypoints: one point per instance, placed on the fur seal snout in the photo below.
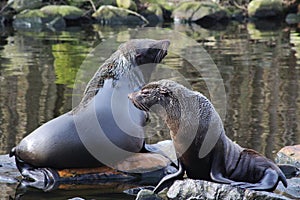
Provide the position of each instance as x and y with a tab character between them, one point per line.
226	162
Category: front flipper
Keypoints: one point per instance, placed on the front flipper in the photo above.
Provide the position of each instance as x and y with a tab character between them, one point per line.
216	173
169	179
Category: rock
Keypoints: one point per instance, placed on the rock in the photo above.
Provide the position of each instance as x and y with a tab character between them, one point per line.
292	18
36	19
52	17
147	195
293	189
8	170
66	12
127	4
289	155
199	12
153	13
198	189
116	16
265	8
20	5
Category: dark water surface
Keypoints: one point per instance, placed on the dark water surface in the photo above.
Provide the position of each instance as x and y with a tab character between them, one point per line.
259	70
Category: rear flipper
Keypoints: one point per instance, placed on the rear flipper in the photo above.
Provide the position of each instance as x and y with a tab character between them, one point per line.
41	178
169	179
268	182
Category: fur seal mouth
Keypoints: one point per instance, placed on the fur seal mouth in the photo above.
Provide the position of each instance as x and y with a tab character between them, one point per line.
132	98
164	45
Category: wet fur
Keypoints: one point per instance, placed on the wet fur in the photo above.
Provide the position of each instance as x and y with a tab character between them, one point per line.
188	112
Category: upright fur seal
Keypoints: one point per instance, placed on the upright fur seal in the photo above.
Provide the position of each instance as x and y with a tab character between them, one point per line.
191	117
57	144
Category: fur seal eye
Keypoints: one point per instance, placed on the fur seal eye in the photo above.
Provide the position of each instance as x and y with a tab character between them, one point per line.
164	91
146	92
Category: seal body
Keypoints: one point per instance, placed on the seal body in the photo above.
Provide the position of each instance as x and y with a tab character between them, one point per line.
98	120
203	149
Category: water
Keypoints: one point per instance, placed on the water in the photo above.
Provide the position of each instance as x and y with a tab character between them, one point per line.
260	70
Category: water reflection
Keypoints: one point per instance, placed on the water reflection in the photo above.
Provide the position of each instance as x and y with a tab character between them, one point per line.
260	70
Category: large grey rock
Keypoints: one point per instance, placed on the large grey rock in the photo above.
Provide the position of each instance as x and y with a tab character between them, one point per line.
289	155
265	8
116	16
198	189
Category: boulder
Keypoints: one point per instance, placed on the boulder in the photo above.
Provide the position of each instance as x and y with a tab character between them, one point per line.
265	8
199	12
117	16
289	155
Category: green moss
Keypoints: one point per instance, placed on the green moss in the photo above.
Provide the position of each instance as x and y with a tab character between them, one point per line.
30	14
156	9
63	10
192	11
127	4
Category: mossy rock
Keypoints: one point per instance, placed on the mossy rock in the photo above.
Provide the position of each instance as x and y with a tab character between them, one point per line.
20	5
153	13
265	8
167	5
127	4
195	11
36	19
31	14
116	16
67	12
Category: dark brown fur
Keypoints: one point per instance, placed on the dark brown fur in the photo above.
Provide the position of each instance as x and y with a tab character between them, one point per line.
192	119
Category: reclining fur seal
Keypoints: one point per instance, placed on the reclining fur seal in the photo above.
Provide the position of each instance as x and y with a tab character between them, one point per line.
190	117
57	145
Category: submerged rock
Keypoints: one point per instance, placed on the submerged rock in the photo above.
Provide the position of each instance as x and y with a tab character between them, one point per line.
199	12
116	16
265	8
